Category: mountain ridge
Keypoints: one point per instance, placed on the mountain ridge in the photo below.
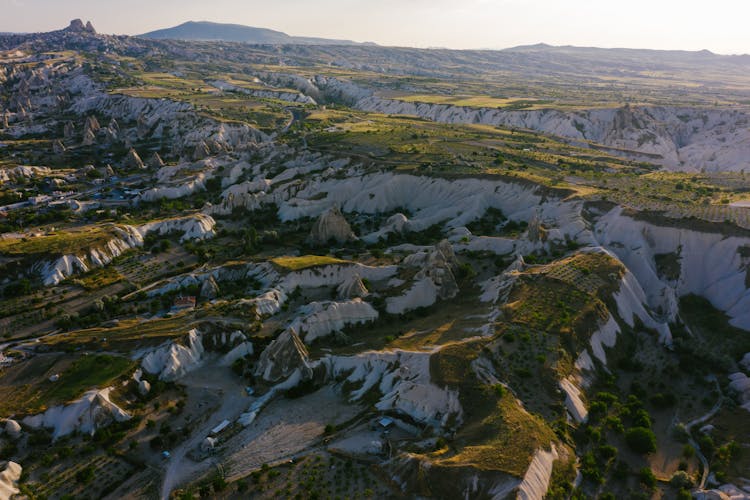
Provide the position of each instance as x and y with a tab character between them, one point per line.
211	31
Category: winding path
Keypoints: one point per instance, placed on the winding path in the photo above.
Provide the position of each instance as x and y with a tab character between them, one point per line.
698	421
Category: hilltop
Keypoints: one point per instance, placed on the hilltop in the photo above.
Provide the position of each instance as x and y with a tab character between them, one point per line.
205	30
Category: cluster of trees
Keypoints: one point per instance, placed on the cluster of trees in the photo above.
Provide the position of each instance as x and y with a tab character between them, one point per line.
100	310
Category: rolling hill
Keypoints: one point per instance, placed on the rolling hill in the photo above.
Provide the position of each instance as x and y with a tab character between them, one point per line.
205	31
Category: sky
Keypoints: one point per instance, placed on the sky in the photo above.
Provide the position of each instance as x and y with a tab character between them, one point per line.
722	26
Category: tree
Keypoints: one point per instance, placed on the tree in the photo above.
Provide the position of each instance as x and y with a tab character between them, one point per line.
647	477
641	440
681	480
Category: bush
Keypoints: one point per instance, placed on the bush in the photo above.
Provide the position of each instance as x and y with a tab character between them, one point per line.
641	440
684	495
607	451
85	475
646	476
642	419
681	480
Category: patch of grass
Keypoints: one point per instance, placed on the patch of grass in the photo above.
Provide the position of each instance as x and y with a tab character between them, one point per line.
100	278
306	261
127	335
84	373
505	440
58	243
715	341
497	433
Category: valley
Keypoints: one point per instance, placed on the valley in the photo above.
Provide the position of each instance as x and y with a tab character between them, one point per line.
321	270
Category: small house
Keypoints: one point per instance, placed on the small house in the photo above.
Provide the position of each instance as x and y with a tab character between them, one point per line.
184	303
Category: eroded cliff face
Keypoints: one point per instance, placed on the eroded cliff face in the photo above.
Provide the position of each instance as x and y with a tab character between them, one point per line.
679	138
686	139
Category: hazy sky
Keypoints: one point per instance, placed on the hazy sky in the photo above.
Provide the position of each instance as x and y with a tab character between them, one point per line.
719	25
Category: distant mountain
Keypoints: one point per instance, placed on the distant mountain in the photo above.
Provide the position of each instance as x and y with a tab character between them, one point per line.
598	53
208	31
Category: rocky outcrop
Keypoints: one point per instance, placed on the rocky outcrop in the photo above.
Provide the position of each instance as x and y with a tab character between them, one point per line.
201	151
678	138
209	289
319	319
198	226
403	379
434	281
710	264
9	478
13	429
91	125
331	225
69	130
264	94
352	288
89	138
77	26
22	171
93	411
739	385
173	360
192	227
113	130
132	160
283	357
155	161
536	480
58	147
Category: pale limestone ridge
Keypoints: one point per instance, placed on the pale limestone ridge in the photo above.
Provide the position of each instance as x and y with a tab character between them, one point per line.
284	356
331	225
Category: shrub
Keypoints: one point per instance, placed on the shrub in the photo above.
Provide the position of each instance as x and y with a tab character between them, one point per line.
607	451
646	476
641	440
684	495
85	475
642	419
681	480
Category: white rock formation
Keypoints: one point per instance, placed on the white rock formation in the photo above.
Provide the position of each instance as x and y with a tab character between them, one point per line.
209	289
23	171
403	378
264	94
423	293
92	411
12	429
745	362
711	264
144	387
240	351
434	281
9	478
352	287
284	357
193	227
155	161
536	480
678	138
331	225
319	319
573	401
173	360
132	160
740	386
